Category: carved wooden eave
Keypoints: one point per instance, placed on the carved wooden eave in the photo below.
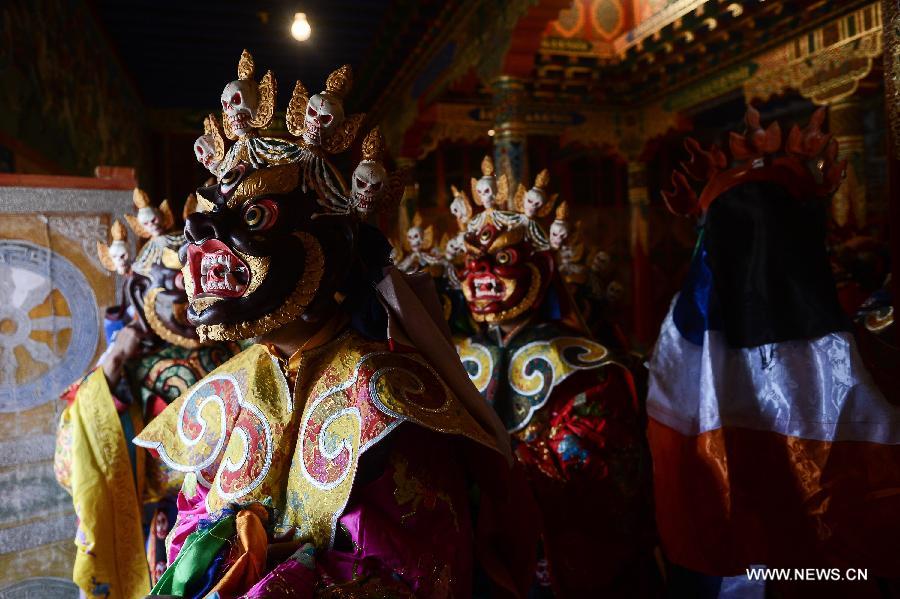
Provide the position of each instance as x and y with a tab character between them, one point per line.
670	15
615	130
825	65
688	55
684	44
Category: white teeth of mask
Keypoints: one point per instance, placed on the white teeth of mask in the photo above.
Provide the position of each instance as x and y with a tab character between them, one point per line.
218	272
227	284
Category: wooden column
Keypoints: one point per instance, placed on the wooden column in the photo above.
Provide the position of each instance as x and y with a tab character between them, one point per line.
510	135
845	122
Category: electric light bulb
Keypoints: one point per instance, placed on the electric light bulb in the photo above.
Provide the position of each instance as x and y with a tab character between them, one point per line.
300	28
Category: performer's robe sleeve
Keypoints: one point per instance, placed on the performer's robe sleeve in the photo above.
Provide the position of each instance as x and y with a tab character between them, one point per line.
110	558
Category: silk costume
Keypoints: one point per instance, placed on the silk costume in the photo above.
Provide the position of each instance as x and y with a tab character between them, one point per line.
573	415
771	443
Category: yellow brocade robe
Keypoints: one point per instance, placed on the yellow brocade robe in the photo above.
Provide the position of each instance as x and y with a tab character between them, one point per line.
110	560
248	438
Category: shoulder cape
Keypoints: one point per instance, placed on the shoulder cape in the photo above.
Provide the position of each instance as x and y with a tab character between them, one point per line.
248	438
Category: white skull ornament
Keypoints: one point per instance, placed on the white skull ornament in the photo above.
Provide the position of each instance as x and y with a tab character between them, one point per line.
150	219
118	253
205	151
559	234
486	188
324	114
460	207
415	237
535	199
489	190
368	185
458	210
456	247
240	100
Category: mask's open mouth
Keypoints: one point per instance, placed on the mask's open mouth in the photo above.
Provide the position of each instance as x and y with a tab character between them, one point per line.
217	271
366	201
488	288
239	121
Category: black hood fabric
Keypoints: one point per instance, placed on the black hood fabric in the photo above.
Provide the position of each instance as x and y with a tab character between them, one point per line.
770	269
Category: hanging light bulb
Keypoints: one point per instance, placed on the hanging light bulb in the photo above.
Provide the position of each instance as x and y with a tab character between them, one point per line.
300	28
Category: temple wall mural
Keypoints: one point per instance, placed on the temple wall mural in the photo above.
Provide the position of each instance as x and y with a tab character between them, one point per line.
51	332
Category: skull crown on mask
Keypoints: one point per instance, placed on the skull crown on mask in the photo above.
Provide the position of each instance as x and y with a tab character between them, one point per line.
116	257
414	235
372	188
601	263
324	114
458	210
456	247
487	191
559	234
535	199
239	103
204	150
368	185
614	293
149	218
120	256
